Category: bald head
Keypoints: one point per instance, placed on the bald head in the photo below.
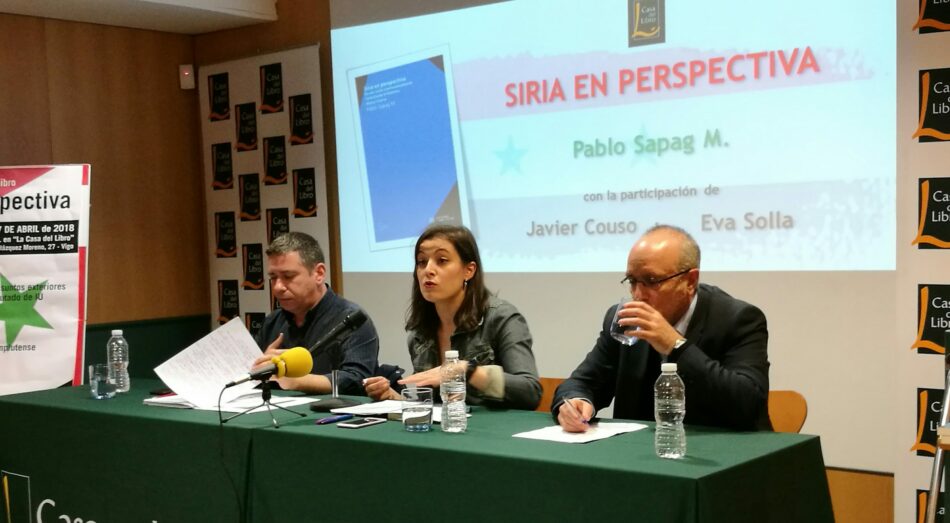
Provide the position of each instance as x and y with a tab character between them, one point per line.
663	268
672	239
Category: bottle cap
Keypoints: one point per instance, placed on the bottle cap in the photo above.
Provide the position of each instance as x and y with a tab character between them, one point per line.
451	354
117	332
668	367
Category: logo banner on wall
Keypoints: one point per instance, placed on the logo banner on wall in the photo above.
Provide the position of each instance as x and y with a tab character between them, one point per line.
929	403
933	17
646	22
933	318
933	124
44	233
275	133
933	206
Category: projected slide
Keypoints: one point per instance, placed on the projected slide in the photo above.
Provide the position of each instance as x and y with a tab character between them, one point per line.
408	147
766	130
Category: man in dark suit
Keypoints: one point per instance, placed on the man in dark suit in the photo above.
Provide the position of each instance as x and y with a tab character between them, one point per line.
719	344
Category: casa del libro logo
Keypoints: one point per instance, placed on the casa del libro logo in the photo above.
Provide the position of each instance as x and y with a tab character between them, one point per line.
19	503
929	402
933	207
646	22
933	319
933	16
933	122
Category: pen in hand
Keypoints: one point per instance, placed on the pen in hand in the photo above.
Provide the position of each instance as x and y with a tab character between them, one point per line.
574	411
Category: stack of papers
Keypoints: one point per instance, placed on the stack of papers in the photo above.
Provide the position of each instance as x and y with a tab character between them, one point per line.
199	373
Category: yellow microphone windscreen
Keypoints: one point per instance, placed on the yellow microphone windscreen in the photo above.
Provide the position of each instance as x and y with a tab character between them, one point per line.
280	365
298	362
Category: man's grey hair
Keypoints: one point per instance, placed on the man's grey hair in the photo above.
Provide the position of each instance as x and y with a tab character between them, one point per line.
303	244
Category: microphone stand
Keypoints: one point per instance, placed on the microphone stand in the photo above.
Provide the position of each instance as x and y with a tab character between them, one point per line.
265	402
335	401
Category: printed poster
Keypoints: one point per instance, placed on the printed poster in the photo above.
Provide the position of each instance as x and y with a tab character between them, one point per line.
44	234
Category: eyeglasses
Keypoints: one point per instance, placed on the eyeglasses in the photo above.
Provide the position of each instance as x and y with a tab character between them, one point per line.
650	282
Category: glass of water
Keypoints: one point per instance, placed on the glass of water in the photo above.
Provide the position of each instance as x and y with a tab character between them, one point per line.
102	381
619	332
417	409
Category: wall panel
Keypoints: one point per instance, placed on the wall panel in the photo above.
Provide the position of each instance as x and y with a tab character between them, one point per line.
24	135
300	22
115	103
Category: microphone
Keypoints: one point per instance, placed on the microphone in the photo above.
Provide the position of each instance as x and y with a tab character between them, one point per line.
292	363
352	321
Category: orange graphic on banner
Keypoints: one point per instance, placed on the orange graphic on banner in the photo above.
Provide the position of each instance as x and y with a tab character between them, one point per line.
921	22
301	140
270	180
305	214
924	94
921	507
921	237
921	343
251	285
921	423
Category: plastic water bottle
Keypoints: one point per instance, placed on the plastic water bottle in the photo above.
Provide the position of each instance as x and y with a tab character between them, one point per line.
117	355
452	389
669	408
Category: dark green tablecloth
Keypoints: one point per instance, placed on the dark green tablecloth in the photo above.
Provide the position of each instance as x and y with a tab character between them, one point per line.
120	461
383	473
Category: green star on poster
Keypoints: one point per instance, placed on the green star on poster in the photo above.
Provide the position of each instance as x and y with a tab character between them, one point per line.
18	309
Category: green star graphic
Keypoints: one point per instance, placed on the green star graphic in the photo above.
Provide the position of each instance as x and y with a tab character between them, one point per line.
17	309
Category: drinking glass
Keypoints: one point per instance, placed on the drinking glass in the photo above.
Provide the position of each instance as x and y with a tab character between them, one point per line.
102	381
417	409
619	332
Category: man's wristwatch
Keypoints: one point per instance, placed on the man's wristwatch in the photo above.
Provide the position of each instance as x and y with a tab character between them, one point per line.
678	343
472	365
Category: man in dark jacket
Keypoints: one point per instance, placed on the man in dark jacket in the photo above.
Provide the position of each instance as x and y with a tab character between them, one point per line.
719	343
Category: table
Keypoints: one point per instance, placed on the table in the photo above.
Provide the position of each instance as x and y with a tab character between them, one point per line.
172	469
118	460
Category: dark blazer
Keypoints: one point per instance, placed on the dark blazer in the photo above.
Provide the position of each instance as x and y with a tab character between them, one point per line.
724	365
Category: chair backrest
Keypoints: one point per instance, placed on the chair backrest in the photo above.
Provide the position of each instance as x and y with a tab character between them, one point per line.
787	410
548	386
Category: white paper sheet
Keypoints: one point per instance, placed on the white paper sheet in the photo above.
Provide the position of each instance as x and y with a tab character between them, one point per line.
169	400
377	408
199	372
596	431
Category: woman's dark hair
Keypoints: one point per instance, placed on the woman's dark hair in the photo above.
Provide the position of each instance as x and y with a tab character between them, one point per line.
421	315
